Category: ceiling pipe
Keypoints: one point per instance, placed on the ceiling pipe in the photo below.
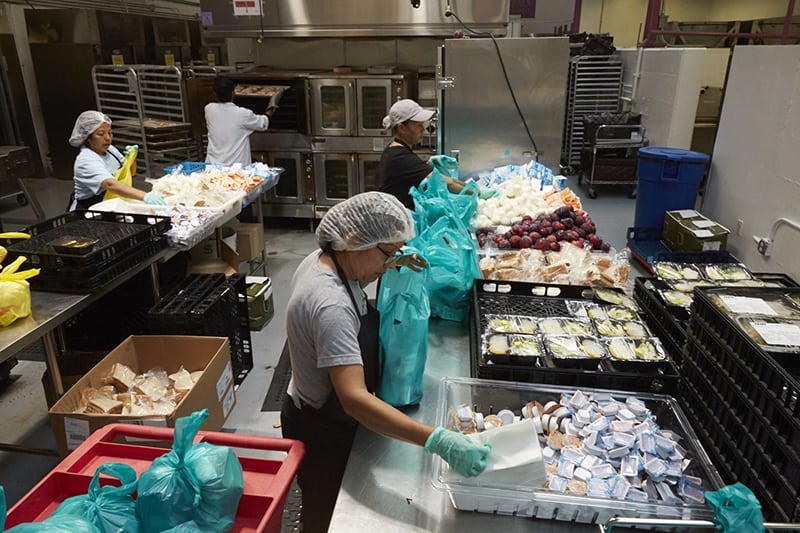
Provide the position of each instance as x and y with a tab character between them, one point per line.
576	17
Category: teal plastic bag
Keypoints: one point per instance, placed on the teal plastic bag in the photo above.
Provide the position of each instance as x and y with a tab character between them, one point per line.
453	268
62	524
432	201
200	482
736	509
445	164
111	509
403	304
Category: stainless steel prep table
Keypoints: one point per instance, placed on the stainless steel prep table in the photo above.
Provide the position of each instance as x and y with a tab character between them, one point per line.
51	309
387	483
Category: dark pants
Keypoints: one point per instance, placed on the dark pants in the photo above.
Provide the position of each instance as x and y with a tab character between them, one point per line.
328	443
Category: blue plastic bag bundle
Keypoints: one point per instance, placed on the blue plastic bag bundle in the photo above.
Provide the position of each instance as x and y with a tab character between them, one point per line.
453	268
736	509
405	310
111	509
62	524
200	482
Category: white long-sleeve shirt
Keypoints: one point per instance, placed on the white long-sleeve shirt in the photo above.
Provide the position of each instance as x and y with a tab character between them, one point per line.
229	129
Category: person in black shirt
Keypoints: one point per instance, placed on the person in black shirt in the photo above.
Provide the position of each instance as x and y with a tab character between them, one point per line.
400	168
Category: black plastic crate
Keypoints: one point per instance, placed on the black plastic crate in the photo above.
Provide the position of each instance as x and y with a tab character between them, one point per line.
646	246
546	300
668	322
171	314
116	233
738	459
742	438
222	314
125	261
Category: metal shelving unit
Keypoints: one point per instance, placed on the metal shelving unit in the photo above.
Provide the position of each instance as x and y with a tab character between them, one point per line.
594	86
148	106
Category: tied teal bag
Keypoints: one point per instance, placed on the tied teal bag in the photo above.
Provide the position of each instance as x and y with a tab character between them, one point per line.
200	482
111	509
59	524
403	304
736	509
445	164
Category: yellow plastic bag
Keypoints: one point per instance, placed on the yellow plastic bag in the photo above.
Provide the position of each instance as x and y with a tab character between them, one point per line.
15	292
124	174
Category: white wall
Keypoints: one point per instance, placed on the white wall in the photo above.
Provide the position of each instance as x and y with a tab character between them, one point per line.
755	173
667	93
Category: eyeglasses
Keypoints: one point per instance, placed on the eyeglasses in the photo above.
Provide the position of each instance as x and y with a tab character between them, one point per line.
391	258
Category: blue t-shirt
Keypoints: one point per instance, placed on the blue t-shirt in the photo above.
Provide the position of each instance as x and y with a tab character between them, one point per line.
91	169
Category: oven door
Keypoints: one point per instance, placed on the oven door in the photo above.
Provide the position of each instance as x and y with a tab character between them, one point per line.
374	97
332	106
368	178
293	187
335	177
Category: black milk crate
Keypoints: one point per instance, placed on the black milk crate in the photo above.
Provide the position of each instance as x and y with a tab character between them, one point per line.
668	322
125	261
171	314
549	300
116	233
222	314
744	440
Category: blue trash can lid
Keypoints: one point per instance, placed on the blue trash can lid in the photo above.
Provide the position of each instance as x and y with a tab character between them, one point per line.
677	154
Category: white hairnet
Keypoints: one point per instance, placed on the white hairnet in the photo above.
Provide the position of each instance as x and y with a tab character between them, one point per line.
86	123
364	221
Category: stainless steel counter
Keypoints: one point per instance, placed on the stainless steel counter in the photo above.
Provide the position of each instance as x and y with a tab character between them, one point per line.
387	485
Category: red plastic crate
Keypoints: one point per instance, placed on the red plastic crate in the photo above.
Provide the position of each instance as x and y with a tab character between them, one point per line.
268	464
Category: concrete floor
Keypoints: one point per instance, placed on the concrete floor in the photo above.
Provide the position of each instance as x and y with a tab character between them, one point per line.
23	411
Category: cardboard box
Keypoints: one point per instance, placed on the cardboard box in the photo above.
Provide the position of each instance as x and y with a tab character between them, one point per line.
249	241
214	389
688	230
200	262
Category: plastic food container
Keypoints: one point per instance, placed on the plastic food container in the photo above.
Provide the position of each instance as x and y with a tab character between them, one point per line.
513	349
72	244
575	351
474	494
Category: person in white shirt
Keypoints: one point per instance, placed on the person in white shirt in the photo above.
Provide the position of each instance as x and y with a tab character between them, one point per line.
230	126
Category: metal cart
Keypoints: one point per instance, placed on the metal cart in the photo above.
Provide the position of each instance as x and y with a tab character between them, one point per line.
652	523
610	158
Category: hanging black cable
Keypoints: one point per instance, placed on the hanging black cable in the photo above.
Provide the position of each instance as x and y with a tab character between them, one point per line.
448	12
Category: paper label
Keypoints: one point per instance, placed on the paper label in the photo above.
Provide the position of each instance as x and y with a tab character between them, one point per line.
76	431
703	223
687	213
227	403
778	334
246	7
223	381
746	305
711	245
702	234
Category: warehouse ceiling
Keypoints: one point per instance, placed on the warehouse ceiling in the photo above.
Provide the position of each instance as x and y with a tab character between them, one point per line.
176	9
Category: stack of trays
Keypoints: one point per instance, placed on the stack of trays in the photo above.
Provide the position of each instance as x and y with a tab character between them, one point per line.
82	251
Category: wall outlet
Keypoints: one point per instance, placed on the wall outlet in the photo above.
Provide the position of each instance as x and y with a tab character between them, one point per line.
739	226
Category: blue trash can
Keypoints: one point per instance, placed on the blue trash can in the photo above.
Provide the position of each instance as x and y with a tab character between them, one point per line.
669	179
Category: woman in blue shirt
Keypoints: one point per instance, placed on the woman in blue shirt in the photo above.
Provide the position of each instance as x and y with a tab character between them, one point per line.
97	162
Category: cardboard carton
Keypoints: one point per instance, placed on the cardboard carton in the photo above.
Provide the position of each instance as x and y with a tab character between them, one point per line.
213	390
249	241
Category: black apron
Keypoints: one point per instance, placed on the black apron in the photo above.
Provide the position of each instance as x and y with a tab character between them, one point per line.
87	203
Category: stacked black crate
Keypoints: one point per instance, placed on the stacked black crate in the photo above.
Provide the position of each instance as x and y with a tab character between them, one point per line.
744	401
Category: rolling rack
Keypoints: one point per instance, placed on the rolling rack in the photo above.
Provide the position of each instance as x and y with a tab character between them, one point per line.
609	154
594	86
148	106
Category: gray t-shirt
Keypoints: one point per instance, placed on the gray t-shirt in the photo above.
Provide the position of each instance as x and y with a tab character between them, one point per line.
321	328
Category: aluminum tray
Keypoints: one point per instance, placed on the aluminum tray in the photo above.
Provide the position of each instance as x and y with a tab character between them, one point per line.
471	494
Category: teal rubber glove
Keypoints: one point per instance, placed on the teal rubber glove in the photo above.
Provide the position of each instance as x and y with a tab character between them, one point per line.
153	198
131	148
485	194
463	455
